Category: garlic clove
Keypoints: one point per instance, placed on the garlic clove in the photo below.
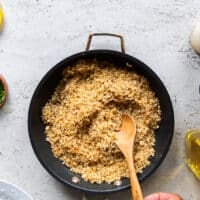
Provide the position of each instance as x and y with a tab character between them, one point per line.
195	38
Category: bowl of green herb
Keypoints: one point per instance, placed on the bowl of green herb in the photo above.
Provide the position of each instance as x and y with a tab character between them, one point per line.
3	90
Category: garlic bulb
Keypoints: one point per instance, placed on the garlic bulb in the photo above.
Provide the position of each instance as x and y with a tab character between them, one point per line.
195	38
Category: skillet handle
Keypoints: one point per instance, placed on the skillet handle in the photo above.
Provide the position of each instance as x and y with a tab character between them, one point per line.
105	34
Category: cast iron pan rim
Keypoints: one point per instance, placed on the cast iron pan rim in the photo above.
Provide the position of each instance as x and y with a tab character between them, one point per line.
81	55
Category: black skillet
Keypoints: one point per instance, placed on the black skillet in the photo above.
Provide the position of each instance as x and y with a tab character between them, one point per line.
47	86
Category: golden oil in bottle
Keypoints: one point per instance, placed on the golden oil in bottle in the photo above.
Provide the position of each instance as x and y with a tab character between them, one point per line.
192	148
1	17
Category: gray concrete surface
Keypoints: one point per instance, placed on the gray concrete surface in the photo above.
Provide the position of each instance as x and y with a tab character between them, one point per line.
38	34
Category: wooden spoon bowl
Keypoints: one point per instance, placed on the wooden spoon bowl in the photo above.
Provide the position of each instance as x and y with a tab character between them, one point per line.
5	87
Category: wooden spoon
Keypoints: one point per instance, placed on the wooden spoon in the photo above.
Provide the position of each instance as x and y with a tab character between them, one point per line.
125	141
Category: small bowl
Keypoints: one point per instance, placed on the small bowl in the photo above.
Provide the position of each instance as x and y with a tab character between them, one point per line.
5	87
11	191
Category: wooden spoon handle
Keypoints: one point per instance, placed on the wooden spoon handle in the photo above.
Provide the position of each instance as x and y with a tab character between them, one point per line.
135	185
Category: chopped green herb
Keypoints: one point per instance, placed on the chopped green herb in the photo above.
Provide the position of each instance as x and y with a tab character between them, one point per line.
2	92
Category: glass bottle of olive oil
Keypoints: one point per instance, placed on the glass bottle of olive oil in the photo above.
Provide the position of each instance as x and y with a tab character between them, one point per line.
192	147
1	17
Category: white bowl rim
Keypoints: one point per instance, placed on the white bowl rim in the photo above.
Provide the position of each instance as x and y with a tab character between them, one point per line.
16	187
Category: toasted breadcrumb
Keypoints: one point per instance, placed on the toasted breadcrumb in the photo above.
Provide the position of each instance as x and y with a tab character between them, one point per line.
85	111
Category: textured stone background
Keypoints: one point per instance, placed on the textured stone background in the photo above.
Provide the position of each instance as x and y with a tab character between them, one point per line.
39	33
